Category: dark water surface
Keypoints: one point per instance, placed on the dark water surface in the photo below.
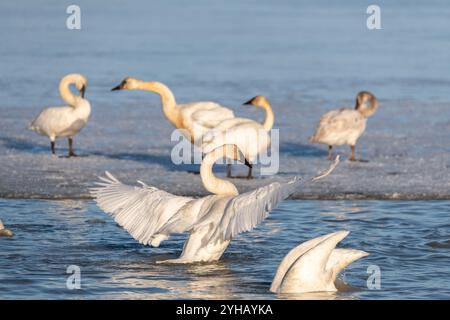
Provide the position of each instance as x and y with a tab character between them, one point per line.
408	241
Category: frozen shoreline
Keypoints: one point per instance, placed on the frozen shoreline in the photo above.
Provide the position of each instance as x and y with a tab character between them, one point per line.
406	161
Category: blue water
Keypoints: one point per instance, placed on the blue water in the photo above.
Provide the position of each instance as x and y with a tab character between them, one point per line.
408	241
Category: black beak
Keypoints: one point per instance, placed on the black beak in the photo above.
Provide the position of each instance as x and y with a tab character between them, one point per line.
248	102
119	87
82	90
248	164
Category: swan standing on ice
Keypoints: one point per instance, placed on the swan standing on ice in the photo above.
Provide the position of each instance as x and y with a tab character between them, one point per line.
195	117
251	138
150	215
67	121
5	232
314	265
345	126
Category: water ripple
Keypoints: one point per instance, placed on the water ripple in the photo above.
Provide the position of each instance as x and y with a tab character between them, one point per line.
408	241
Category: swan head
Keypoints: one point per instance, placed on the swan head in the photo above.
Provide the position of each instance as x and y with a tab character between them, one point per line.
366	103
128	83
78	80
210	182
257	101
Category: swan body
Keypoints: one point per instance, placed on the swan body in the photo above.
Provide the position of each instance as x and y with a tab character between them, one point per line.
65	121
248	135
251	138
314	265
345	126
150	215
5	232
193	118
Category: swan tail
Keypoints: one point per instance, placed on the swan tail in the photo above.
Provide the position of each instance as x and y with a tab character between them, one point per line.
308	260
342	258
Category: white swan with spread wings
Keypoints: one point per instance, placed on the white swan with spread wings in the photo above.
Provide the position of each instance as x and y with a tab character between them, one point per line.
150	215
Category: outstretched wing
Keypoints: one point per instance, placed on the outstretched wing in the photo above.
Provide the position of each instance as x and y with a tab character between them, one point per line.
247	210
142	211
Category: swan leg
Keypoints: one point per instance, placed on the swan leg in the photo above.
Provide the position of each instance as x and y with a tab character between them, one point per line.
250	167
249	175
330	152
52	146
71	152
229	170
352	158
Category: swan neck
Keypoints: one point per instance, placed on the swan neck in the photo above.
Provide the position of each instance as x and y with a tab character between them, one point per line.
169	106
210	181
65	92
369	110
270	117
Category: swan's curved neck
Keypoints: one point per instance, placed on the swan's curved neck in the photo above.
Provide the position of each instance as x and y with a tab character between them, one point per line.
210	181
270	117
169	105
66	94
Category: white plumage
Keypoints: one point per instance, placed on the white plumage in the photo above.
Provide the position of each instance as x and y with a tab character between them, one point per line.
65	121
151	215
4	232
314	265
252	138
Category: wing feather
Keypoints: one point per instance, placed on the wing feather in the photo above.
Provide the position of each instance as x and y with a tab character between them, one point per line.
247	210
142	211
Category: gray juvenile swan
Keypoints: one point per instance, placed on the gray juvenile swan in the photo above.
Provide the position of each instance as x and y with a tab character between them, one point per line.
345	126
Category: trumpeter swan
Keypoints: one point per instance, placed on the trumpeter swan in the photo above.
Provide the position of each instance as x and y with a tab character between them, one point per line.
314	265
4	232
252	138
150	215
66	121
195	118
345	126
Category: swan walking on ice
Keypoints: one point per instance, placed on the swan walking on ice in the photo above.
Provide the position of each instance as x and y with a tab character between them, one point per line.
193	118
251	138
150	215
66	121
5	232
314	265
345	126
